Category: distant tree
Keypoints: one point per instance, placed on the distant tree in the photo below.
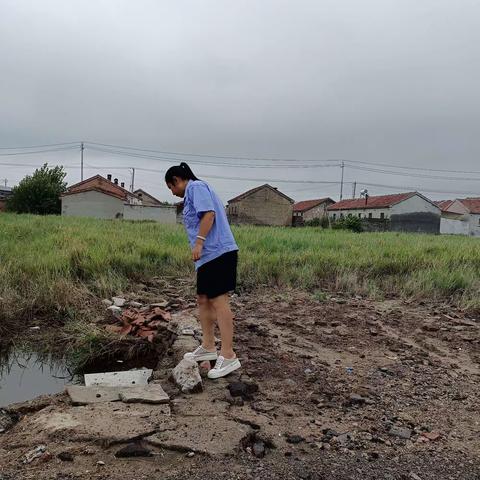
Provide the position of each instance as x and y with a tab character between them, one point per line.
348	223
39	193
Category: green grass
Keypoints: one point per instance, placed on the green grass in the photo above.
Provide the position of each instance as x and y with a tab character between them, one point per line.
53	266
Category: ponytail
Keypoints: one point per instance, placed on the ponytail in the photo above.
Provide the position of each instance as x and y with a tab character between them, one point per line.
182	171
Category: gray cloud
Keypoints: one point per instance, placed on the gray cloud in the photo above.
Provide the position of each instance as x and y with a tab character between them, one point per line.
389	81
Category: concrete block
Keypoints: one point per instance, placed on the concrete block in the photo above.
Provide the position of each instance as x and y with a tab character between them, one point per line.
152	393
129	378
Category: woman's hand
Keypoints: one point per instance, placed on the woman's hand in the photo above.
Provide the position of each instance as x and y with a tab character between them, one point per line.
197	251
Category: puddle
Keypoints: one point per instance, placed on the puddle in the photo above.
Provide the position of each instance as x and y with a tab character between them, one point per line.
24	376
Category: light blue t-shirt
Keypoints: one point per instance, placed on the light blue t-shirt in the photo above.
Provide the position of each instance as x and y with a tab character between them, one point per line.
200	198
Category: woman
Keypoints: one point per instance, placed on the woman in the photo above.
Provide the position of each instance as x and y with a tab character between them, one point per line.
214	252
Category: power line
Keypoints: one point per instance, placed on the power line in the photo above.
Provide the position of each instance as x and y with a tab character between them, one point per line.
39	146
38	151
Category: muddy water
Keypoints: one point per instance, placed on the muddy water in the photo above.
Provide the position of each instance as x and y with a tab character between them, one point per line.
25	376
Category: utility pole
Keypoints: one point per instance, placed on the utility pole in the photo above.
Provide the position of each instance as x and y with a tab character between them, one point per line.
82	148
341	183
5	181
354	189
132	186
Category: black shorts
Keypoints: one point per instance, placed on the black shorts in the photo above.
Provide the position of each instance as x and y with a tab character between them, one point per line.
218	276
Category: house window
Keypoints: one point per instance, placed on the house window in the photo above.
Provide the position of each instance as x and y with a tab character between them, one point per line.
359	215
341	215
334	216
382	215
370	215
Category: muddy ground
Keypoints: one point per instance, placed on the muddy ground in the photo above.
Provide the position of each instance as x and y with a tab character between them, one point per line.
347	389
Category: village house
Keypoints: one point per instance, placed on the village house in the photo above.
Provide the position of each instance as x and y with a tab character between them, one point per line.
460	216
407	212
5	192
263	205
308	210
101	197
147	198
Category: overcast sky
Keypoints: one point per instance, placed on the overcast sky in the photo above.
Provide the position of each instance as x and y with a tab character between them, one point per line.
395	82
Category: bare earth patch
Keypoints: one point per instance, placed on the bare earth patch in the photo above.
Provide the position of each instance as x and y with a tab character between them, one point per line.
347	389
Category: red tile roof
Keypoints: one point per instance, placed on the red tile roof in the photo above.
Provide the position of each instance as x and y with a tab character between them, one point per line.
382	201
443	204
99	184
256	189
473	204
308	204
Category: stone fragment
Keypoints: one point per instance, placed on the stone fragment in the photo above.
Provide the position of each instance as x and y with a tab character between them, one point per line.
259	449
161	304
243	389
187	376
133	450
135	304
152	393
119	301
119	379
400	432
116	311
65	456
432	436
107	302
294	439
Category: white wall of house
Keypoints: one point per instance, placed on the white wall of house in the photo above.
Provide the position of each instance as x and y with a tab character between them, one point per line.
92	204
415	204
454	226
474	227
160	213
364	212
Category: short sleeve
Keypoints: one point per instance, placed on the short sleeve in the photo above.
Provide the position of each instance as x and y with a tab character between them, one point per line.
202	198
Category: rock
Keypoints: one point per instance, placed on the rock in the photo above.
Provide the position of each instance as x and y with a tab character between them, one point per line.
259	449
295	439
116	311
243	389
234	401
432	436
135	304
357	399
400	432
152	393
187	376
119	301
161	304
107	302
65	456
188	331
101	463
190	454
133	450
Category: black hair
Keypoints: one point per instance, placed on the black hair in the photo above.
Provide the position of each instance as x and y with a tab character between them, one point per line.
182	171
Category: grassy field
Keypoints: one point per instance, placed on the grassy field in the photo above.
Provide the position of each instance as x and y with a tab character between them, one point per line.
51	266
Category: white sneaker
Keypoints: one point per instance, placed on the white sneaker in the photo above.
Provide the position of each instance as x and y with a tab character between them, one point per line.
223	367
200	355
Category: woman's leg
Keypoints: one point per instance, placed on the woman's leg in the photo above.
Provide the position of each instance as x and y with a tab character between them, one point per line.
207	320
221	306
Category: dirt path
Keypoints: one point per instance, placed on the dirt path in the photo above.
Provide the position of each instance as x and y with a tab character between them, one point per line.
348	389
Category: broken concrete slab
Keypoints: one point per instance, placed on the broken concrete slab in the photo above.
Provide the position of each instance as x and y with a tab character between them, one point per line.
187	376
119	379
153	393
102	423
80	395
199	407
218	436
